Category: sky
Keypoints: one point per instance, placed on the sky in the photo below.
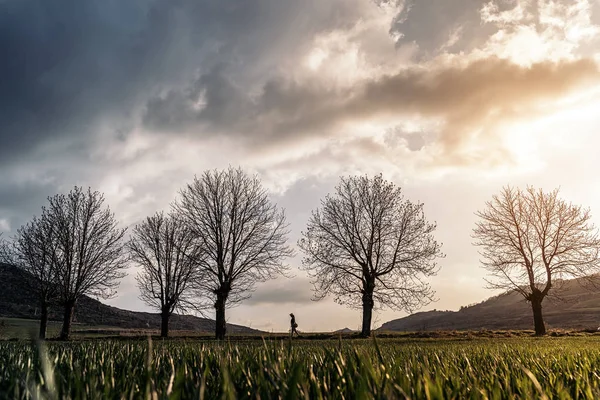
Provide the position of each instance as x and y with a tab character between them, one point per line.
450	100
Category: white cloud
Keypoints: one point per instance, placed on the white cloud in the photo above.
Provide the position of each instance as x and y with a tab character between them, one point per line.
4	225
535	30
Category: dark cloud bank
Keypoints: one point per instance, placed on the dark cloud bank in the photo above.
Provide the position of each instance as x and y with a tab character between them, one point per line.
464	95
76	74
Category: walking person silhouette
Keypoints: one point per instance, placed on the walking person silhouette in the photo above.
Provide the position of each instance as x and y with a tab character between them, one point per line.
294	325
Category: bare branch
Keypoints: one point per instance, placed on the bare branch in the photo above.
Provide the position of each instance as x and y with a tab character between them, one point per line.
36	251
6	253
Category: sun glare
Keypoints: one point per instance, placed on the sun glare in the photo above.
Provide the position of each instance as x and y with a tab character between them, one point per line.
523	146
528	140
315	58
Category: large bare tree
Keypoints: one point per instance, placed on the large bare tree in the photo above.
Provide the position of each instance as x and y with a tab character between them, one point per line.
165	250
36	252
530	240
368	246
242	232
90	249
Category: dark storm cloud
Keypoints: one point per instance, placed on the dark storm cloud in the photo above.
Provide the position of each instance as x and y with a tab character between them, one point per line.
468	97
19	201
65	65
75	74
68	65
213	99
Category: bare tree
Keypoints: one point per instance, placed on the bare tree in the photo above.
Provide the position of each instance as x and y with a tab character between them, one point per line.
242	233
6	256
530	239
164	248
36	253
366	245
90	249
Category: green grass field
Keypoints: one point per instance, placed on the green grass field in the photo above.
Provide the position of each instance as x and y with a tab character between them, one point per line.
19	328
560	368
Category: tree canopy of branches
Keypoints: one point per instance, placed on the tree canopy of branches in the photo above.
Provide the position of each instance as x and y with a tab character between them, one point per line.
36	253
90	249
242	234
5	251
530	239
367	245
164	248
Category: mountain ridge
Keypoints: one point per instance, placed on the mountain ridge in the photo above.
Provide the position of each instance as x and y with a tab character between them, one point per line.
577	308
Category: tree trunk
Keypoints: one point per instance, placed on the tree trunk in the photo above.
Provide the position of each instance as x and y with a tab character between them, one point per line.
43	320
368	304
538	319
220	328
164	323
65	333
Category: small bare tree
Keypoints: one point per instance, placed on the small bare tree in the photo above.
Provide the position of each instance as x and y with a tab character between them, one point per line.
90	249
530	240
242	234
164	248
6	256
36	253
366	245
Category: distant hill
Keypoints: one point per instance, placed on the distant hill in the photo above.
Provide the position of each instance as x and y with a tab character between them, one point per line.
345	330
577	308
17	302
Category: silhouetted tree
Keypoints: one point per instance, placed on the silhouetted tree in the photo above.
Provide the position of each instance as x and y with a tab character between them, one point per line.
242	234
6	255
164	248
366	245
530	239
36	252
90	249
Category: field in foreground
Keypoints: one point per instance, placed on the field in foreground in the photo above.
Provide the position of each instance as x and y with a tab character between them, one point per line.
388	368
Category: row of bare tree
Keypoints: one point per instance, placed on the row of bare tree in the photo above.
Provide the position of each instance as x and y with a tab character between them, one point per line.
366	245
223	235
